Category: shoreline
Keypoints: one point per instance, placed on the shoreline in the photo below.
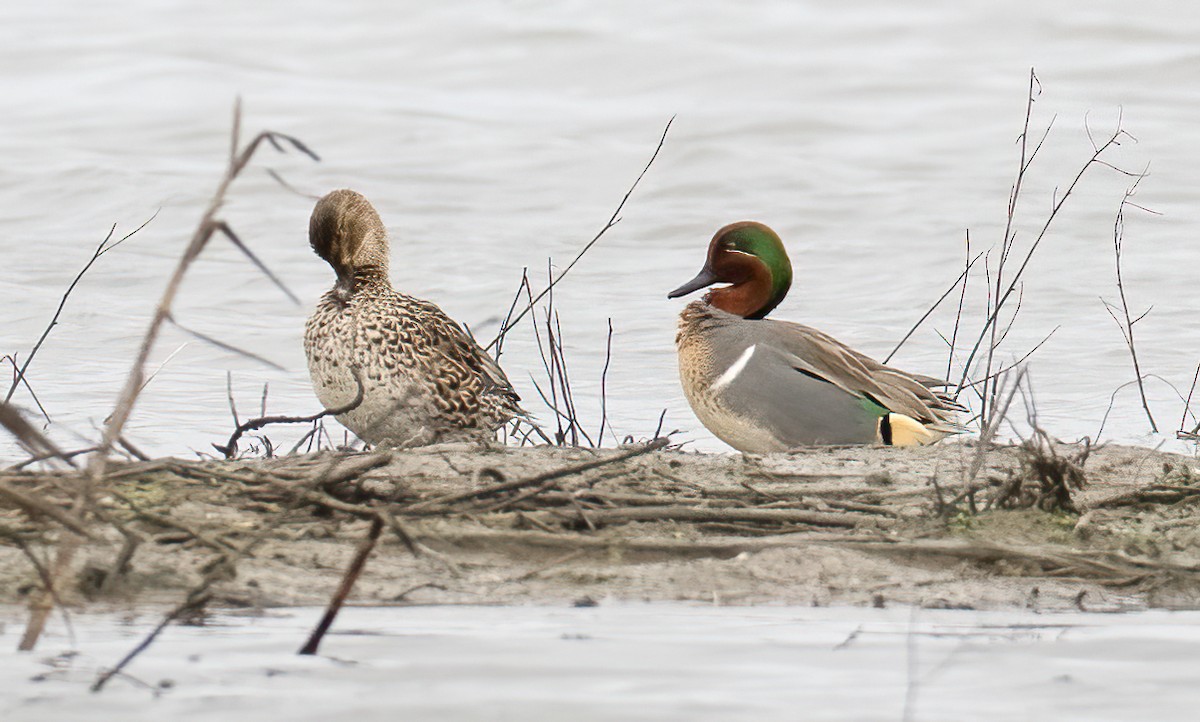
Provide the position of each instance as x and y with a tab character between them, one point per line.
548	525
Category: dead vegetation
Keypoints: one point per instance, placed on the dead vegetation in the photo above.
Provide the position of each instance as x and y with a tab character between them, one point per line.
1192	434
510	511
86	503
640	521
1045	479
83	510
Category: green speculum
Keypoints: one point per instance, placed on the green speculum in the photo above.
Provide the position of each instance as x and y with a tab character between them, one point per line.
873	407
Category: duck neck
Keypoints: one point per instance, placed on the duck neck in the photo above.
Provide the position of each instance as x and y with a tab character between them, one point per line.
350	281
754	292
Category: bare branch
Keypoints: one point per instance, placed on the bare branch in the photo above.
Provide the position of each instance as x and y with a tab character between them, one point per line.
604	384
1127	326
1003	291
962	277
135	381
101	249
222	345
357	564
32	440
225	230
230	447
612	221
1187	405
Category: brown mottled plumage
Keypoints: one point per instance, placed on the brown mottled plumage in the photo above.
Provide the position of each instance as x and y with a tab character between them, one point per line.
425	380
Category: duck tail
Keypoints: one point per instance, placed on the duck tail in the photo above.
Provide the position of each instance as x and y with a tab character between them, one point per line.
900	430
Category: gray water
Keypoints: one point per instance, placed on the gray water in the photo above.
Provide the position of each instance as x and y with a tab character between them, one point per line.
626	662
493	136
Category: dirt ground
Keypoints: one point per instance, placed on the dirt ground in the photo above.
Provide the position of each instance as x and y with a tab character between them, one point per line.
941	527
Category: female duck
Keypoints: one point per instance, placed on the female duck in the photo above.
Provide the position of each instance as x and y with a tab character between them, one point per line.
762	385
423	379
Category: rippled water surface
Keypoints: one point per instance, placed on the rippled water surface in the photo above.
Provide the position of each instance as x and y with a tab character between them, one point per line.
627	662
495	135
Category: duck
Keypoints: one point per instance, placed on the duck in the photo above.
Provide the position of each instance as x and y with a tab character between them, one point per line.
763	385
398	370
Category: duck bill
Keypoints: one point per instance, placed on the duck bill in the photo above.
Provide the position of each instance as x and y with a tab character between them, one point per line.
705	278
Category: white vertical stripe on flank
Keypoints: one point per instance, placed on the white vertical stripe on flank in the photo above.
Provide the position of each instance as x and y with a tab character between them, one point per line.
736	368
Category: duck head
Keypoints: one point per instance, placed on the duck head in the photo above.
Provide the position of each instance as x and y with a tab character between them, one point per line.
347	232
752	260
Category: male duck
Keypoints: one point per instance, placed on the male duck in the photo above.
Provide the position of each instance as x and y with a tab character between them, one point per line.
424	380
762	385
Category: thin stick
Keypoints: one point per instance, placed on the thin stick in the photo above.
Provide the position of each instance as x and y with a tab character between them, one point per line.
1003	296
989	427
115	424
229	395
1009	236
230	447
48	583
512	307
1005	369
1187	405
576	428
18	378
34	506
223	345
1112	399
442	501
700	515
101	249
962	277
365	547
209	224
32	440
658	429
962	297
47	455
1129	322
612	221
222	566
188	606
604	385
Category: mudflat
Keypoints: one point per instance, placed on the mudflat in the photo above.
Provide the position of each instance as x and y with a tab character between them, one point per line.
1046	526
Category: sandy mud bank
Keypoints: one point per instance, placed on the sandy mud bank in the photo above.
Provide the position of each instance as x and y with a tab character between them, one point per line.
946	526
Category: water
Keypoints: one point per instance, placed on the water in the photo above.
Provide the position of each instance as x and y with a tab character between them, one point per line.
630	662
493	136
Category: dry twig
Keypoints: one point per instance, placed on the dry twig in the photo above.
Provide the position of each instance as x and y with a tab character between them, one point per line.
222	566
1001	288
1126	322
1194	434
441	504
209	225
229	450
104	247
612	221
357	564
